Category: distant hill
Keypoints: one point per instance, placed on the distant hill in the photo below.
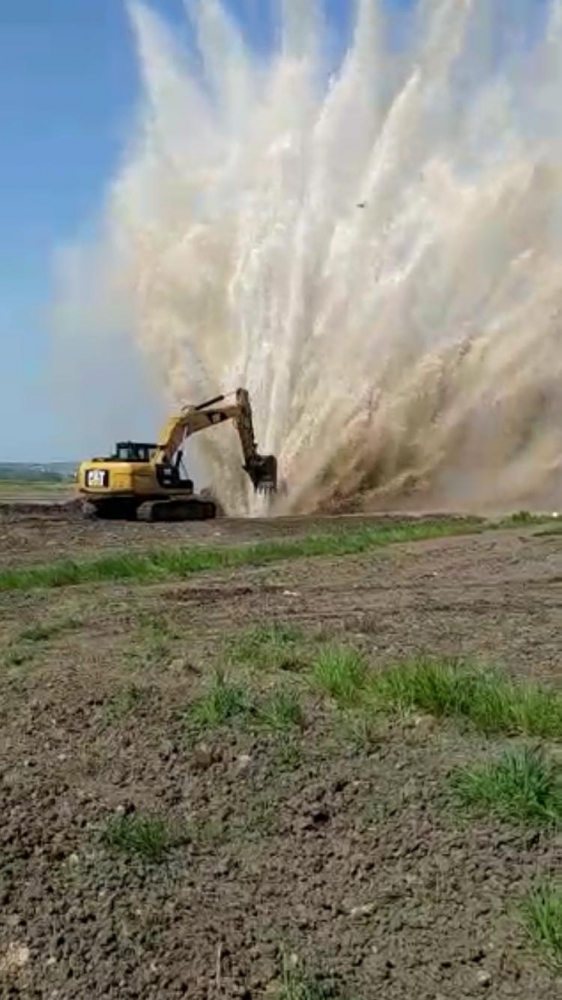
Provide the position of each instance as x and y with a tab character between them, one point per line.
40	472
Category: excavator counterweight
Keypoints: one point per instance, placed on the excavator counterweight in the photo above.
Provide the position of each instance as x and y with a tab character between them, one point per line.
145	480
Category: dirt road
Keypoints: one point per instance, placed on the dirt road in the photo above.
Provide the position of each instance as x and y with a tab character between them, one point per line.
299	850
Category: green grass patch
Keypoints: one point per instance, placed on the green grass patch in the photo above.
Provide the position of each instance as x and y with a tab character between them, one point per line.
297	984
542	914
452	688
229	703
159	564
523	518
526	519
269	646
148	837
225	702
281	711
522	786
342	673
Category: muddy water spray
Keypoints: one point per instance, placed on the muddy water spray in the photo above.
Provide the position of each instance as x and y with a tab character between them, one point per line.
375	252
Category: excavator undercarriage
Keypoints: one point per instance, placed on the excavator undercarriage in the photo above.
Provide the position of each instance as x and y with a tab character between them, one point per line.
190	509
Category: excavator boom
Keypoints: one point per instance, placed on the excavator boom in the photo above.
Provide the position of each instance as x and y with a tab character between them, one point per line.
262	469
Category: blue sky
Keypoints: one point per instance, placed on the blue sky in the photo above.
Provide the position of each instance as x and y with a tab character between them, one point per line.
68	84
67	91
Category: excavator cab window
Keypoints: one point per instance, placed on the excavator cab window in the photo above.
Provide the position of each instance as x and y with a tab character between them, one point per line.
132	451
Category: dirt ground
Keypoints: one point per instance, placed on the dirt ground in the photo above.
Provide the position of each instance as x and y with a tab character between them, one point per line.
41	532
318	850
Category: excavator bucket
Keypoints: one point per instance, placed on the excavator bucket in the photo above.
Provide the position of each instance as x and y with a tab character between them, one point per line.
262	470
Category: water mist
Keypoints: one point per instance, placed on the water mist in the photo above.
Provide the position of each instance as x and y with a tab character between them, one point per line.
372	248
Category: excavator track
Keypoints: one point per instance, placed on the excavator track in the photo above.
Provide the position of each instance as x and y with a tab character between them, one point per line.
111	510
189	509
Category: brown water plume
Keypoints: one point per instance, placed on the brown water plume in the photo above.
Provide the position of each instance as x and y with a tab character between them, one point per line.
374	249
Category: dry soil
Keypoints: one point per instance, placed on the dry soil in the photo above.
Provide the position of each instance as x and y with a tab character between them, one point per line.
312	848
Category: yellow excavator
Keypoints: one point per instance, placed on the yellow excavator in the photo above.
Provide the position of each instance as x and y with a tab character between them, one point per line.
144	481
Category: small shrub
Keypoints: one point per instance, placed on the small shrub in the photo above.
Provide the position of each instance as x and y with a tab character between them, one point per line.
522	517
542	914
521	786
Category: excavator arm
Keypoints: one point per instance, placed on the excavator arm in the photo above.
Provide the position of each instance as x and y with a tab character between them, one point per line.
262	469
